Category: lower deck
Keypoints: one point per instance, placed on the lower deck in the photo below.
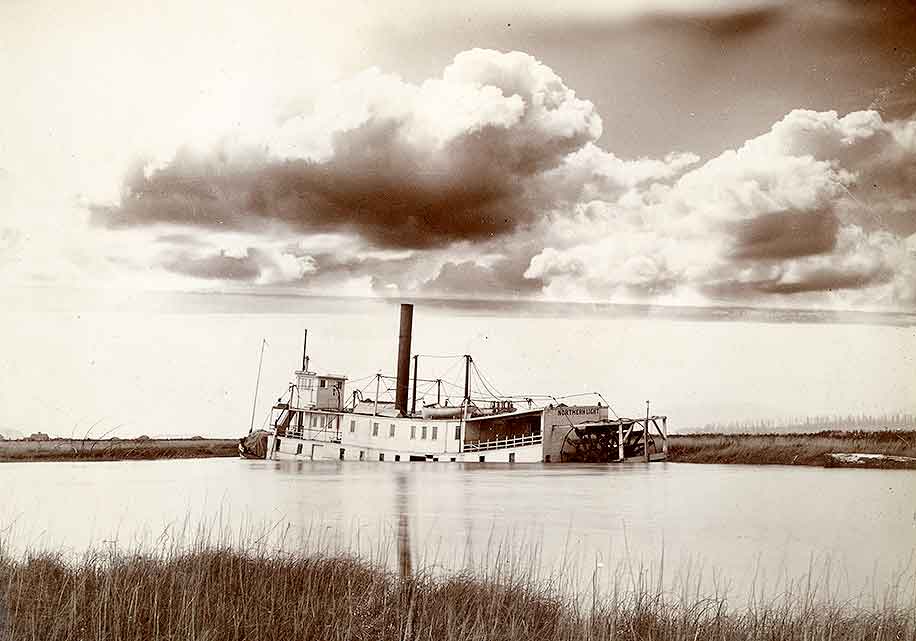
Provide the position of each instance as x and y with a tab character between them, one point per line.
520	450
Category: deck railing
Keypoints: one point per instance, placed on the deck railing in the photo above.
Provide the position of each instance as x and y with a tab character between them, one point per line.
503	443
313	434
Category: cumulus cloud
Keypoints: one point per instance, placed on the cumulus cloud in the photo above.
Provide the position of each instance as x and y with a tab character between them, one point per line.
489	181
399	164
778	217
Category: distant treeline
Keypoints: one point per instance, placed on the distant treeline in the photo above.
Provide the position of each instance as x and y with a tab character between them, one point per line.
848	423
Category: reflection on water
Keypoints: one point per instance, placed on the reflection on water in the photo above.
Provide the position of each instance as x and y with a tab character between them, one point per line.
732	528
403	509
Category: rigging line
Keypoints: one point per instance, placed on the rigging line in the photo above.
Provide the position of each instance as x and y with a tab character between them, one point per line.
608	405
485	380
490	388
860	203
440	355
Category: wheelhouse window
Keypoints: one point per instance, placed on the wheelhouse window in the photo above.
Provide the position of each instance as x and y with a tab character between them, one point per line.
352	426
435	432
423	432
391	431
413	431
375	429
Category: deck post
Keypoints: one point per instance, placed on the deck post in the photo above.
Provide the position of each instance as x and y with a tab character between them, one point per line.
665	435
645	434
620	440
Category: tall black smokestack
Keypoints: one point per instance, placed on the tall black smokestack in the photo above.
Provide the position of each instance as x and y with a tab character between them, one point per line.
404	335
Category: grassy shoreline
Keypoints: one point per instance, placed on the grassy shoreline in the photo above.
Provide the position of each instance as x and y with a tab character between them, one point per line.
116	450
218	594
749	449
786	449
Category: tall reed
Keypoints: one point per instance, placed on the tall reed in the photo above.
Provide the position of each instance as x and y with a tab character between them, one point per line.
213	592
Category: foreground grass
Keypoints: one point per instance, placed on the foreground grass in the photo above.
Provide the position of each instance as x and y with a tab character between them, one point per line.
786	449
224	595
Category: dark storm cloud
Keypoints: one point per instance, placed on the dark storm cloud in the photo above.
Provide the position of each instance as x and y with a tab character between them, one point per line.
382	195
785	234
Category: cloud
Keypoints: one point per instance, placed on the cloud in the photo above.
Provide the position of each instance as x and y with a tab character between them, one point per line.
785	234
253	265
399	164
488	181
778	217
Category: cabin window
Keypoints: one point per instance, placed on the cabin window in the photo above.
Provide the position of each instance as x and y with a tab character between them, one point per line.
352	426
381	456
391	431
452	459
299	449
512	457
423	432
435	432
483	459
413	431
457	432
313	420
324	384
375	429
277	444
362	455
435	459
397	457
547	458
342	452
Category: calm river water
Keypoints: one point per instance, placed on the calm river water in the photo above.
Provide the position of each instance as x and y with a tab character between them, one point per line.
736	528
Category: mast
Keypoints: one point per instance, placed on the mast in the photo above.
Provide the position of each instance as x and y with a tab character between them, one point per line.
305	358
467	378
378	380
413	405
257	385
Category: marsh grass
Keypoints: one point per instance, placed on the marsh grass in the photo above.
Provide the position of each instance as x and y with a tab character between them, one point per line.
786	449
214	592
104	450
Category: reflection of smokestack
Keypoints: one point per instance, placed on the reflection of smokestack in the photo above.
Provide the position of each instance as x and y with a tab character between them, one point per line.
400	398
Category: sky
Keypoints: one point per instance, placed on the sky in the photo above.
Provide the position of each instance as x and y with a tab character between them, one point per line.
758	153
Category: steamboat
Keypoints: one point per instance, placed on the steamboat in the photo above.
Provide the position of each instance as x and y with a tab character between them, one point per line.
317	419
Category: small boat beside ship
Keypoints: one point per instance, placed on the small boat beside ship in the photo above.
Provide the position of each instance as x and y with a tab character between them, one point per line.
319	420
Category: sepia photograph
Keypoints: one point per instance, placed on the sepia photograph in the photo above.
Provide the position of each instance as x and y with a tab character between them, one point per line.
476	321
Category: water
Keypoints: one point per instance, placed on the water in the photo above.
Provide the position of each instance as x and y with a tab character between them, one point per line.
739	528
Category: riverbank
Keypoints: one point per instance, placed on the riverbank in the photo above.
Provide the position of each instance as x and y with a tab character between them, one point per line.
218	595
116	449
788	449
751	449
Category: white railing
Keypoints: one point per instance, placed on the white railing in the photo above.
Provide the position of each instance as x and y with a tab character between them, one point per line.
503	443
313	434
